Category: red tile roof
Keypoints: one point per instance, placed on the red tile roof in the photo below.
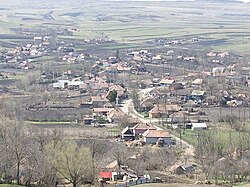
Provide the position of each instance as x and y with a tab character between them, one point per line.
106	174
156	134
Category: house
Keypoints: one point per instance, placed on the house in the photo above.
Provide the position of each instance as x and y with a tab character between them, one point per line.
112	166
120	90
180	170
128	134
153	136
61	84
197	82
140	128
196	126
98	101
146	105
177	117
123	69
87	120
114	115
99	86
75	83
83	87
198	95
98	83
162	110
133	121
167	82
146	83
100	111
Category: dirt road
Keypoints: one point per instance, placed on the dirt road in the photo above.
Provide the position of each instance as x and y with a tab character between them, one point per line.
188	152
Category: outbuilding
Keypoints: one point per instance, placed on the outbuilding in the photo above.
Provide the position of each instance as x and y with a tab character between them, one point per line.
196	126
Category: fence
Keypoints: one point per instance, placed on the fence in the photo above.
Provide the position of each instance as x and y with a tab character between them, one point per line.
137	182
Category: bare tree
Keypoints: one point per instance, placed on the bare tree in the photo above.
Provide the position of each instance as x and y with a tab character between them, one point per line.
15	146
120	157
72	162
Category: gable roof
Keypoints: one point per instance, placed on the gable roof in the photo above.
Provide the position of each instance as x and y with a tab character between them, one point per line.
120	90
167	81
114	112
127	130
198	81
163	108
156	134
143	126
112	165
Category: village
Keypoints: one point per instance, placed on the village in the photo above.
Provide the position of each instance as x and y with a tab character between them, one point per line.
143	98
118	94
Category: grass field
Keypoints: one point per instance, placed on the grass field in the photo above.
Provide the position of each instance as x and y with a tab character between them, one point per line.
171	185
138	22
242	185
10	185
183	185
222	133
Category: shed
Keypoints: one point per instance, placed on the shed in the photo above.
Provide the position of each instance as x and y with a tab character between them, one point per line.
108	175
128	134
196	126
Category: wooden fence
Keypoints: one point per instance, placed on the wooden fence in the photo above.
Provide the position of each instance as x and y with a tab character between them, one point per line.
137	182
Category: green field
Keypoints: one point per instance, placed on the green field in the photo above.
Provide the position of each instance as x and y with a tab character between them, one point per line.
171	185
242	185
182	185
10	185
225	135
137	22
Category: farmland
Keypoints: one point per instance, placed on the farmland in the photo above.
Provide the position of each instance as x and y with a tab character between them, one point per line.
136	23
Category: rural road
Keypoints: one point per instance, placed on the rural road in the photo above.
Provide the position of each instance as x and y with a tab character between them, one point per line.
128	108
